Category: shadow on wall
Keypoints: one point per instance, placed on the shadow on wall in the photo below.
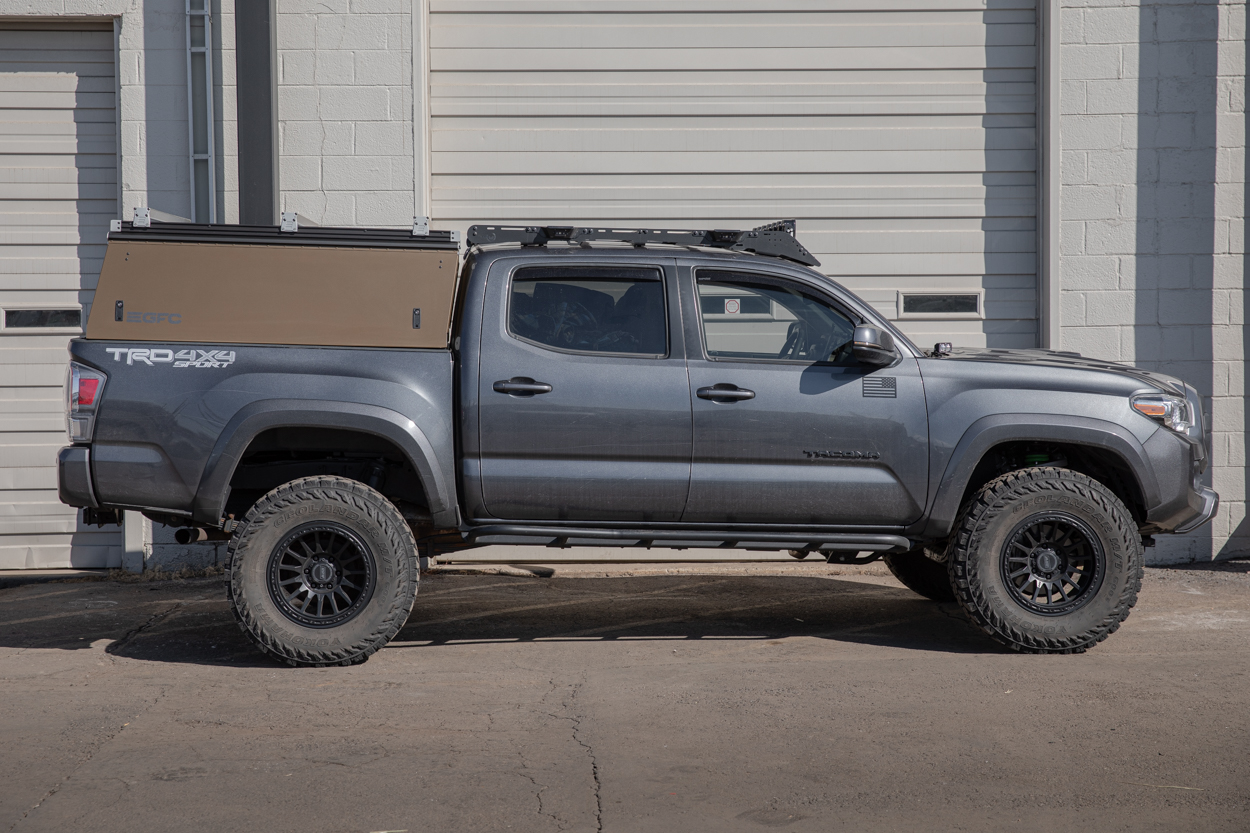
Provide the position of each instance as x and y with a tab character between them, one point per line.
1009	223
1176	171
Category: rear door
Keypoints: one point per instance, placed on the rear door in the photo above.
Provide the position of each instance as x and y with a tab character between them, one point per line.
584	400
788	427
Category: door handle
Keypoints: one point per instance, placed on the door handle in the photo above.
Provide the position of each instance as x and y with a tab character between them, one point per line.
521	386
725	393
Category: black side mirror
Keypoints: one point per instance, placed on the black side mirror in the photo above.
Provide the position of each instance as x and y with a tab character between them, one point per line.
874	347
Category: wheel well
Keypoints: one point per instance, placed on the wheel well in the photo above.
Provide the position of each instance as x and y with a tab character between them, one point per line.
280	455
1101	464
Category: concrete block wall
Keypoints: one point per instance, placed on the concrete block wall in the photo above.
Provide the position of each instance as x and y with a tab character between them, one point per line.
1152	132
345	109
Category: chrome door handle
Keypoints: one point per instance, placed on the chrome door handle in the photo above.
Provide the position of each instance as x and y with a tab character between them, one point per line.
725	393
521	386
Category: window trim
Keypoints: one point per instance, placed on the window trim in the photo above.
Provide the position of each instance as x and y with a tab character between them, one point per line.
661	279
855	318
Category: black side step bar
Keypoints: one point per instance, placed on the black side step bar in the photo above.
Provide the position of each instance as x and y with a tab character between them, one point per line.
829	541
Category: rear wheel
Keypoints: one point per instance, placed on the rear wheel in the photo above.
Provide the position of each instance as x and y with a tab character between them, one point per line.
322	572
922	574
1046	560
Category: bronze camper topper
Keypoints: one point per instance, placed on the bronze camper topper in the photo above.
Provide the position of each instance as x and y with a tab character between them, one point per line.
249	285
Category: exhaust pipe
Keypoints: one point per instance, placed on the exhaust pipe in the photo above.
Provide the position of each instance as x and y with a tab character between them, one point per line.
194	535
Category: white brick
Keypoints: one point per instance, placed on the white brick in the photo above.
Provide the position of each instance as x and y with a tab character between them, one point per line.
378	67
384	138
300	173
1072	238
1083	202
1110	308
1111	237
1099	342
1112	26
335	67
1072	26
1090	132
1089	62
352	31
1090	273
1072	309
385	208
356	173
1112	167
1111	96
354	103
296	66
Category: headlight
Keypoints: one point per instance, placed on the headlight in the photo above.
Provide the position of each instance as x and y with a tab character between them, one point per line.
1172	411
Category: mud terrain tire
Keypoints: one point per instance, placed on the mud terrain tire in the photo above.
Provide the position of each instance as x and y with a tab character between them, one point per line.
358	555
921	574
1031	532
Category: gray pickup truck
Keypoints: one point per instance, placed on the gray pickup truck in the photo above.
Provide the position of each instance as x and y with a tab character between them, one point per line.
341	402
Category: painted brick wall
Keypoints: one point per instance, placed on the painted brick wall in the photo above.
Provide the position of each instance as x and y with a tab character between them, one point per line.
345	110
1153	150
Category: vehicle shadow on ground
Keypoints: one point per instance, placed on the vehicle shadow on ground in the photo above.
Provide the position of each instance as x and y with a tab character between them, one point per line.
464	609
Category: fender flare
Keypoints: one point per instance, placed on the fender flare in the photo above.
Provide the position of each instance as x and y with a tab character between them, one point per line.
262	415
989	431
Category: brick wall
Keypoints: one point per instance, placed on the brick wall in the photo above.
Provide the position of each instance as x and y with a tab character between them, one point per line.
345	110
1152	136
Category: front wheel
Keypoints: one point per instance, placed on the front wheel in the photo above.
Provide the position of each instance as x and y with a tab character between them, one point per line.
323	572
1046	560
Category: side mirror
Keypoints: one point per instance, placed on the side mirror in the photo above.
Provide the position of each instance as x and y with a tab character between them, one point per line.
874	347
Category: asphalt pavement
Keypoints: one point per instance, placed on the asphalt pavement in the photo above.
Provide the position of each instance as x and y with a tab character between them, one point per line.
794	697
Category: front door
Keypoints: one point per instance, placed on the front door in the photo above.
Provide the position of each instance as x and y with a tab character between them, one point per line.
584	399
788	426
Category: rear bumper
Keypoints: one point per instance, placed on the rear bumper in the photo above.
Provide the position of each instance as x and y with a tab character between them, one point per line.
1209	503
73	477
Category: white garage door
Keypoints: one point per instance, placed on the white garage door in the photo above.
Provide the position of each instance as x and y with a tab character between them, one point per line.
58	191
900	133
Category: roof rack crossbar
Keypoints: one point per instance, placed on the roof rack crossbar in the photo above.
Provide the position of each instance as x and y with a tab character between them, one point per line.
773	239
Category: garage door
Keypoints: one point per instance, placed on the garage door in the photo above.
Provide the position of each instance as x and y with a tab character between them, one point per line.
58	191
900	133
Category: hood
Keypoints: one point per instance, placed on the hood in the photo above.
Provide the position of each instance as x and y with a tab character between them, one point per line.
1062	359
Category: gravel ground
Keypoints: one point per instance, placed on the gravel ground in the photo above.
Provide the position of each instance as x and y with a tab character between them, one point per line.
593	697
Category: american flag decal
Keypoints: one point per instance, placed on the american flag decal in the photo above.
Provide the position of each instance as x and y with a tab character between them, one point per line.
880	387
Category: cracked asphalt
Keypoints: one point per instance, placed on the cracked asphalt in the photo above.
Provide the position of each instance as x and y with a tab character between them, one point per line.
719	698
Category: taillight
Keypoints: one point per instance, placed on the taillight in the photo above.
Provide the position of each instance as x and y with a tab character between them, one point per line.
83	386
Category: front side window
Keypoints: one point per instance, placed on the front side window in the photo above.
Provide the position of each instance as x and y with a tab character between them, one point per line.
749	317
590	309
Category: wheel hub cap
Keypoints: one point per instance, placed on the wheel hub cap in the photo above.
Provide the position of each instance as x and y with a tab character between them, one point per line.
1047	561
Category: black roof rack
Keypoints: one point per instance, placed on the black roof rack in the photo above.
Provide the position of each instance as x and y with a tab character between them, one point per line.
302	236
774	239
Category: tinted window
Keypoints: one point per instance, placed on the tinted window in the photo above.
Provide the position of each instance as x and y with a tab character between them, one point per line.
590	310
762	318
42	318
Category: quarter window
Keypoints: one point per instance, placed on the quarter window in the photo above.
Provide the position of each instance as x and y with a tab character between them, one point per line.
748	317
590	310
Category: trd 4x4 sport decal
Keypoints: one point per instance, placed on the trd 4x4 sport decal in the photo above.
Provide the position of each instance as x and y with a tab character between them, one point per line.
193	357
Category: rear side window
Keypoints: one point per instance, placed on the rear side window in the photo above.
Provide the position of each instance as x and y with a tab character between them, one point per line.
590	309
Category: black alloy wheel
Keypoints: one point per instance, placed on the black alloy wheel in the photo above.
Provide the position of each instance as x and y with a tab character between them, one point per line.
1053	563
321	575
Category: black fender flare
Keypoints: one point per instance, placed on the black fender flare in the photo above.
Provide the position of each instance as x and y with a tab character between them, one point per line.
989	431
250	421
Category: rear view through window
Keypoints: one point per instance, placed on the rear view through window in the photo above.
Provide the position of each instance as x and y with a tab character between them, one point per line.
590	310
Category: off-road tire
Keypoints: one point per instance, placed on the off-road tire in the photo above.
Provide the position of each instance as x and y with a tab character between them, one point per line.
343	503
921	574
984	530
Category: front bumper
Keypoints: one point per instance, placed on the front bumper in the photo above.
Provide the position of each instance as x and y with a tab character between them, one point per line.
1210	504
73	477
